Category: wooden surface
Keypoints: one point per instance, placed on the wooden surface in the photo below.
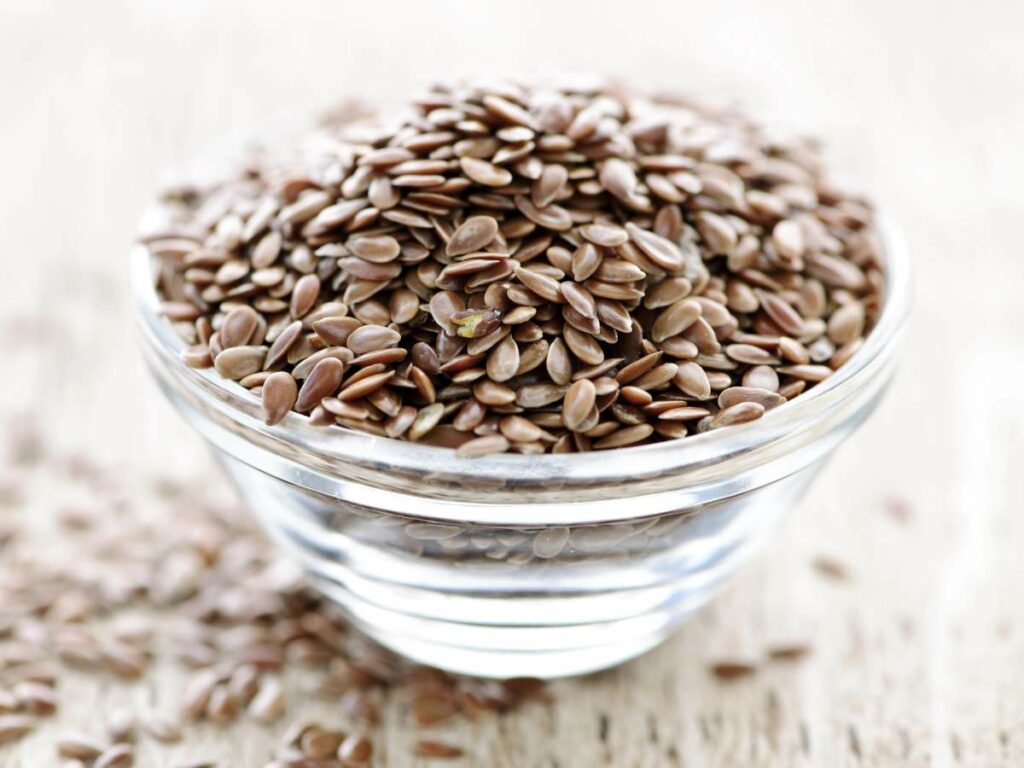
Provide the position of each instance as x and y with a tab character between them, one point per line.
918	656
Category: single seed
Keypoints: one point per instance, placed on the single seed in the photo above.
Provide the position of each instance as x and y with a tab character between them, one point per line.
482	446
739	413
483	172
577	404
323	381
79	746
766	398
788	239
335	330
675	319
473	235
239	327
437	749
304	295
116	756
355	751
238	362
370	338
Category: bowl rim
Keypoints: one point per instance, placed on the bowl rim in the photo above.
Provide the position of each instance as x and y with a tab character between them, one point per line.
341	445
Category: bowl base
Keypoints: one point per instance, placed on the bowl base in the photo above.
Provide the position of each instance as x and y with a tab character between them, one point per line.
513	651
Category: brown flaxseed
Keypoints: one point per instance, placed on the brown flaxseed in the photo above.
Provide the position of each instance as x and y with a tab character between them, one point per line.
506	243
437	750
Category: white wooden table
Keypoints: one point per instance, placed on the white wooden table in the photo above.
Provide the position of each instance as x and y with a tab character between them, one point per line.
919	655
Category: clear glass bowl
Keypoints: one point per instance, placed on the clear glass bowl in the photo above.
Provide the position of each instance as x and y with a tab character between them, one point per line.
512	565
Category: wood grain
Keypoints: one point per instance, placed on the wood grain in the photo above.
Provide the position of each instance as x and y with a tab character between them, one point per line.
917	656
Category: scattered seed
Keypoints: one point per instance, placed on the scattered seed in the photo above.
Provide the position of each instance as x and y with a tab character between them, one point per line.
115	757
79	746
437	749
13	727
355	751
730	669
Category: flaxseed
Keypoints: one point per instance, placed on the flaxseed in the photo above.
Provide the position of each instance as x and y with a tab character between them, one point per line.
487	257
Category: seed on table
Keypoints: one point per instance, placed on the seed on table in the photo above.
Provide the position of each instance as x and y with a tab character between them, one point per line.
197	692
268	704
790	651
121	725
355	751
13	727
37	698
433	707
116	756
320	743
221	707
79	746
733	669
437	749
243	683
162	728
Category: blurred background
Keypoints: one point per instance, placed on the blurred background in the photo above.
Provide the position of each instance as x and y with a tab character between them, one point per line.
920	104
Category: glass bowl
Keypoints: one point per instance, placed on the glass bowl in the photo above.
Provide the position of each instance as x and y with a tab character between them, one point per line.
512	565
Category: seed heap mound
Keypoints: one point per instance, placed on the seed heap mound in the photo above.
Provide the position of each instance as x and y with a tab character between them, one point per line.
524	268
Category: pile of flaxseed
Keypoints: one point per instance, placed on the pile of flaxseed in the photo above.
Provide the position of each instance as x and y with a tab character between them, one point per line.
524	268
171	603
